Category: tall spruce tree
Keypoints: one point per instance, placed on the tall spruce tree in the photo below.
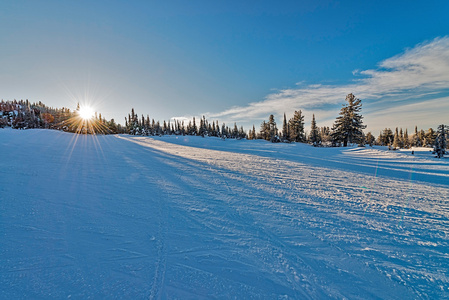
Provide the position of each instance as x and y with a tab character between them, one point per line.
193	128
441	141
271	129
386	137
348	126
396	139
285	130
296	125
369	138
252	133
416	140
325	135
429	137
406	140
314	135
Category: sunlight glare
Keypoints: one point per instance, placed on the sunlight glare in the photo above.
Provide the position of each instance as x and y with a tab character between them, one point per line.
86	112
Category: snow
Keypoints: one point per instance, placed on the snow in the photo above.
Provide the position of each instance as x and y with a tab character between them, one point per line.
198	218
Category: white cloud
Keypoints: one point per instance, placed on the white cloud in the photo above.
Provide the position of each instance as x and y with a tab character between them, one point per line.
422	114
411	75
182	119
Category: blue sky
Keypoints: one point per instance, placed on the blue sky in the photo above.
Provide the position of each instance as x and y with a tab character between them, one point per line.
231	61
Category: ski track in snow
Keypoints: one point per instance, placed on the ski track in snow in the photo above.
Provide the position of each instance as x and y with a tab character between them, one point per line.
139	217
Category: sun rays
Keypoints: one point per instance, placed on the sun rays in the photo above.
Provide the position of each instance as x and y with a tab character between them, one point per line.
86	112
84	120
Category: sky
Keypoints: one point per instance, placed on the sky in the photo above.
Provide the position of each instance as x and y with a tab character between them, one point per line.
232	61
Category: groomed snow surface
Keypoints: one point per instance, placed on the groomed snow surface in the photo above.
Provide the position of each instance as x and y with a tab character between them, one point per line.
198	218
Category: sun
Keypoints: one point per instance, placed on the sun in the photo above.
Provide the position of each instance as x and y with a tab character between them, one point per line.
86	112
84	120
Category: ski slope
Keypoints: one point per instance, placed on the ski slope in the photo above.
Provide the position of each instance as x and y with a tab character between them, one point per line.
200	218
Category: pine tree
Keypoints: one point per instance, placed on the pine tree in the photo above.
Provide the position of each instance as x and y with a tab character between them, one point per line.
406	141
369	139
314	137
242	133
235	132
183	128
396	139
252	133
272	130
296	129
441	141
133	127
285	130
429	137
422	137
224	132
386	137
192	129
263	133
203	127
416	141
348	126
164	128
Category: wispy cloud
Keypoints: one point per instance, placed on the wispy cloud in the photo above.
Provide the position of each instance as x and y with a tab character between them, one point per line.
424	114
410	76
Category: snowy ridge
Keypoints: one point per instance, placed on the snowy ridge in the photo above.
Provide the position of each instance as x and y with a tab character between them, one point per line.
193	218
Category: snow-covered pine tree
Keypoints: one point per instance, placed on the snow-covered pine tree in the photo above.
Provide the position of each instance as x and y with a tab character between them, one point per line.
214	129
164	128
396	139
203	127
210	129
415	140
253	133
348	126
183	128
147	125
272	130
369	138
263	132
429	137
314	137
406	141
235	131
133	123
296	125
224	132
285	130
217	128
386	137
441	141
242	133
422	136
325	135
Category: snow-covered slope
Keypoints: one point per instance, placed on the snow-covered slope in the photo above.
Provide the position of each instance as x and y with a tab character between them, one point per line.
193	218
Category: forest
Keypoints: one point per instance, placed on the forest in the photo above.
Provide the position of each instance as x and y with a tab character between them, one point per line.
347	128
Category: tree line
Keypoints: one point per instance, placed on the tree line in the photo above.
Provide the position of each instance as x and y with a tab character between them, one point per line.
26	115
347	128
144	126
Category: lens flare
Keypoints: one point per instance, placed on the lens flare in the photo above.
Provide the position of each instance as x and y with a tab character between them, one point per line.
84	120
86	112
